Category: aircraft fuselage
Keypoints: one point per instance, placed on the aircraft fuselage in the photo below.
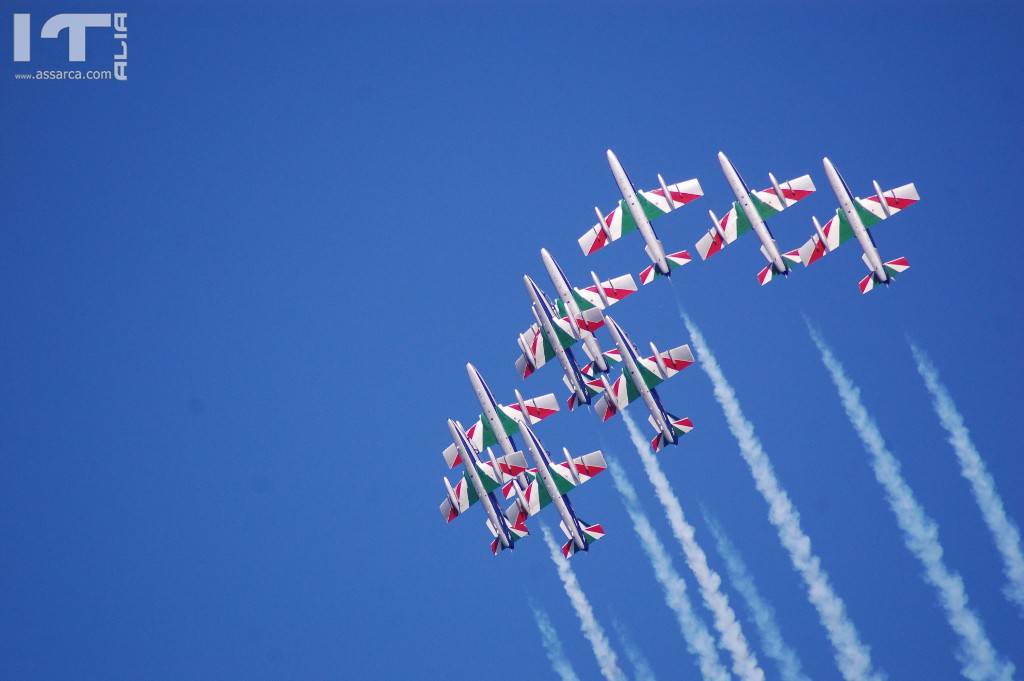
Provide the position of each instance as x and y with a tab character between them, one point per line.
654	250
564	290
632	373
540	459
846	204
489	409
487	500
547	327
756	222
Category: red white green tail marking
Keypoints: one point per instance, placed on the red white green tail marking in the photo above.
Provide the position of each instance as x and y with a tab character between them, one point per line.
675	261
892	268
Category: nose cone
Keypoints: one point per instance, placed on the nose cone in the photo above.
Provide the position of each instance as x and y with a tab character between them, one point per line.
613	161
471	370
722	157
530	286
828	164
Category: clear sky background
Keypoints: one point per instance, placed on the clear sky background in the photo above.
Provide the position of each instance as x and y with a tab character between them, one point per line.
240	290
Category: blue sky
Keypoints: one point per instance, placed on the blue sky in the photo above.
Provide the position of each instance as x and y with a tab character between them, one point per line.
241	289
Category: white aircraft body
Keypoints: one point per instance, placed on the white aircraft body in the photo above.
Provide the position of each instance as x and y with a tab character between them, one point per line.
748	213
853	218
554	334
478	484
635	212
550	483
496	424
574	302
639	377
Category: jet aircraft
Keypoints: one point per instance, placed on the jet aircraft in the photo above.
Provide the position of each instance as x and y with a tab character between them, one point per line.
550	483
748	213
853	218
635	212
478	484
639	377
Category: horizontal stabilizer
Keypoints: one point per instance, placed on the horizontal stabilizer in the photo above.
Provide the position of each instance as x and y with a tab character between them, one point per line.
892	268
591	387
674	260
590	532
679	426
897	266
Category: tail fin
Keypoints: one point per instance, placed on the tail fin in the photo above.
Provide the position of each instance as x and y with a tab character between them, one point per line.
892	268
896	266
788	258
516	532
679	426
674	260
589	532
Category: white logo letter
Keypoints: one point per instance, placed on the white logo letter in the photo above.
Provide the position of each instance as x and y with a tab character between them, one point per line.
76	25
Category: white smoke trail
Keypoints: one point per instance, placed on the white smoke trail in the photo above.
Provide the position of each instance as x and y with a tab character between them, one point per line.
744	662
698	638
607	660
978	658
852	657
972	467
764	615
641	667
553	645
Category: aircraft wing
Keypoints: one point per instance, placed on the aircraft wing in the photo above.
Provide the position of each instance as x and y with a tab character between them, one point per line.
465	493
654	203
465	496
612	401
767	202
612	290
537	348
838	229
566	479
538	408
670	361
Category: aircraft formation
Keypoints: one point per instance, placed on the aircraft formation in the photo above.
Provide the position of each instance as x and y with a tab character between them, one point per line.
577	313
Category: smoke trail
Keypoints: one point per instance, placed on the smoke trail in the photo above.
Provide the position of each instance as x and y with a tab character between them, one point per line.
606	658
553	645
641	667
978	658
698	639
764	616
852	657
744	662
973	468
